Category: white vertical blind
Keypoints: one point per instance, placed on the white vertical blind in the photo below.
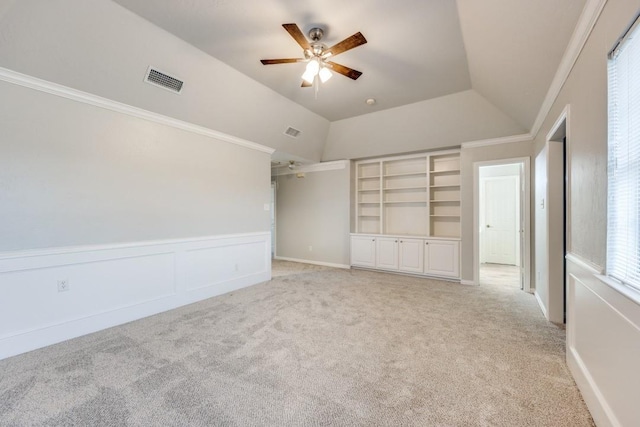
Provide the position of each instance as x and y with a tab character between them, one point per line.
623	209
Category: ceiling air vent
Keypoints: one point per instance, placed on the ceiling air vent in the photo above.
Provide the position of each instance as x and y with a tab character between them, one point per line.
292	132
163	80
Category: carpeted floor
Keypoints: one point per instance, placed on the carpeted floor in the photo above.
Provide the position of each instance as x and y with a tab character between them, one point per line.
312	347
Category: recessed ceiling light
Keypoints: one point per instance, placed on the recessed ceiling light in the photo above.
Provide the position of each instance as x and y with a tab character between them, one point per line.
370	101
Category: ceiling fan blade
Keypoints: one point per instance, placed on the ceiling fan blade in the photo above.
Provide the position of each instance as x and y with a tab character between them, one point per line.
305	84
349	43
295	32
345	71
280	61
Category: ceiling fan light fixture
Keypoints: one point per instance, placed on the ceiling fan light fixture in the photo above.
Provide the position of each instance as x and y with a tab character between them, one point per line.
313	67
308	77
324	74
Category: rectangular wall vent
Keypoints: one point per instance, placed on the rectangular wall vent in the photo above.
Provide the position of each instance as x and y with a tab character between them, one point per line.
292	132
163	80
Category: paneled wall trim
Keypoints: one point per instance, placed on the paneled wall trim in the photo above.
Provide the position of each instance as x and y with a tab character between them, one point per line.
24	80
603	344
110	285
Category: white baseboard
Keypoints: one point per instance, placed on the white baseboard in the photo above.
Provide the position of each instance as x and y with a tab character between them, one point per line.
468	283
306	261
600	411
541	304
114	284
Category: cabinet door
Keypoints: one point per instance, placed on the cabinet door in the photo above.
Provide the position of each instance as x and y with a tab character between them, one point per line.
411	255
363	251
387	253
442	258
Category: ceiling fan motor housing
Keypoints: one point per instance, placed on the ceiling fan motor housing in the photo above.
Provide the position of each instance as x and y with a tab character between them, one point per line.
316	34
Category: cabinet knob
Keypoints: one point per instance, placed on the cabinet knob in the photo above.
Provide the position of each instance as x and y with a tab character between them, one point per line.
400	241
426	243
373	240
396	241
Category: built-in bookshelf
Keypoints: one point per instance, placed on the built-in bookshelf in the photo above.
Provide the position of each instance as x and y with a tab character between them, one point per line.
368	198
444	195
416	195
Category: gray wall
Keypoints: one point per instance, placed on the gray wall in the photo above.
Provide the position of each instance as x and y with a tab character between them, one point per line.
99	47
586	92
603	320
74	174
437	123
314	211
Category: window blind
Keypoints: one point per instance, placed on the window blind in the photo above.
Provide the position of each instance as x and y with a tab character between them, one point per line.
623	208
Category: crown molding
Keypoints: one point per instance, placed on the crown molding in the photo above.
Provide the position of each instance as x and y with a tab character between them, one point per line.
316	167
45	86
525	137
586	22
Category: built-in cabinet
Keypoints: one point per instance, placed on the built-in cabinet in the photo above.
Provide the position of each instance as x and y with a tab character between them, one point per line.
433	257
408	214
442	258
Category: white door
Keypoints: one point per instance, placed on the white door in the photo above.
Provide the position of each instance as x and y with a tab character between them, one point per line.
411	255
363	251
500	228
442	258
387	253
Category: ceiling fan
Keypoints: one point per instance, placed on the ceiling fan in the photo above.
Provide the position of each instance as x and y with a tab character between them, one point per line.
316	54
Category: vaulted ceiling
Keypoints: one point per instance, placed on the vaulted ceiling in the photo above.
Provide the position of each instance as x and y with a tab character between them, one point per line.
506	50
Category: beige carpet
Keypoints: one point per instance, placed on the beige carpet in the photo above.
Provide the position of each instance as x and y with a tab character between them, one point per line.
310	348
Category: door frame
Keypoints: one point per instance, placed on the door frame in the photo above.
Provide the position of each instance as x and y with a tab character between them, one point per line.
273	218
559	136
525	201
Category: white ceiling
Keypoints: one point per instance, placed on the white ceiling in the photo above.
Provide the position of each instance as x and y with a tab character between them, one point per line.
507	50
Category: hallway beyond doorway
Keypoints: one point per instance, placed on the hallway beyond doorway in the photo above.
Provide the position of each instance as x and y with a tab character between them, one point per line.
499	275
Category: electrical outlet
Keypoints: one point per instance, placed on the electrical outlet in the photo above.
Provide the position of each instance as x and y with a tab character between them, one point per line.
266	207
63	285
310	248
237	267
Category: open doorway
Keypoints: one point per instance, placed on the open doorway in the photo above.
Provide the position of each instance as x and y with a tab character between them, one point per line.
501	211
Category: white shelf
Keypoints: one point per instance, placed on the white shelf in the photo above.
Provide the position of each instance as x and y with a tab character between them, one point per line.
405	201
449	171
419	178
423	187
392	175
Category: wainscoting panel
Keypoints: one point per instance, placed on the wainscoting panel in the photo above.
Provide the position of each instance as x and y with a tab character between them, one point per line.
113	284
603	345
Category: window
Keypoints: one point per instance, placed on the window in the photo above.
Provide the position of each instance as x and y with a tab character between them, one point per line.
623	209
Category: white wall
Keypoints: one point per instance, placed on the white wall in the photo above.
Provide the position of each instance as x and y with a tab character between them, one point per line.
99	47
500	170
113	284
603	326
314	211
437	123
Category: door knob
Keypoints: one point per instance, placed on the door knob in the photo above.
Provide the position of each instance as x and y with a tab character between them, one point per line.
488	226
